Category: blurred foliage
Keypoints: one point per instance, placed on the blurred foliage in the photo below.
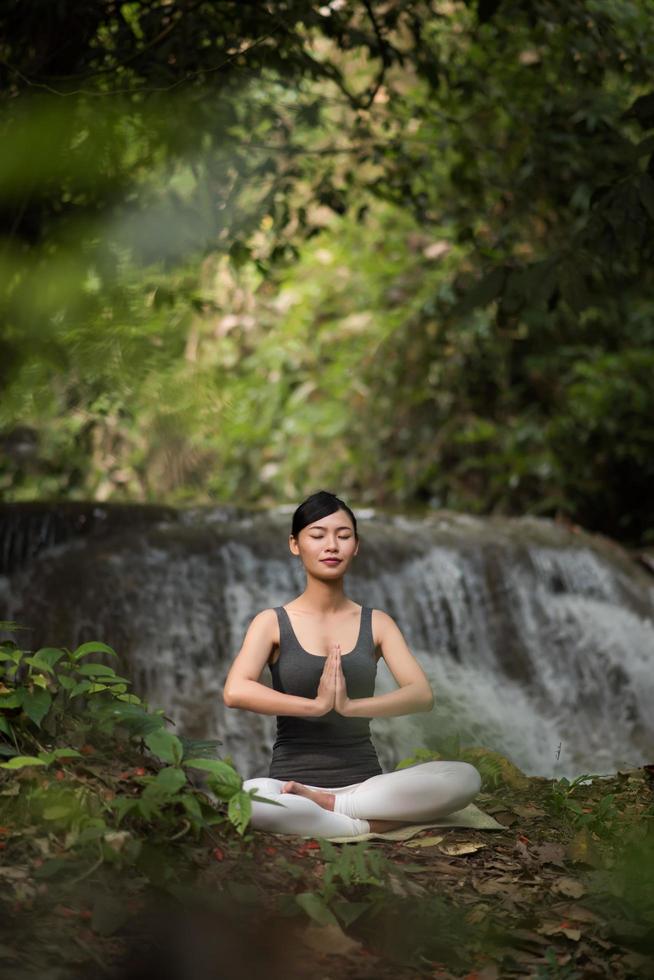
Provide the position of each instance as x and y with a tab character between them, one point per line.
401	249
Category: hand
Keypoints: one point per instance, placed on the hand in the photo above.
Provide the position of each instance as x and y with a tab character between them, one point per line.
341	701
326	693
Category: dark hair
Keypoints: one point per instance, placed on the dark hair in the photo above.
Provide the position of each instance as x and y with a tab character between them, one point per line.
318	505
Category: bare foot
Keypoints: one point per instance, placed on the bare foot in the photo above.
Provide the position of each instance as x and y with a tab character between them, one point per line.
326	801
322	798
381	826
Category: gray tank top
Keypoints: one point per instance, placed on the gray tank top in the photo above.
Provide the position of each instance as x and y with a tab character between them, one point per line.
332	750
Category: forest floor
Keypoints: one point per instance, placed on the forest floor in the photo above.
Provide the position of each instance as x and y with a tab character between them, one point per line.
565	890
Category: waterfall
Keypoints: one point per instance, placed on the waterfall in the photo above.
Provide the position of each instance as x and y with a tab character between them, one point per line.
538	641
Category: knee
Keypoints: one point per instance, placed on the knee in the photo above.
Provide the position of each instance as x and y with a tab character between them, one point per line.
467	782
471	777
462	785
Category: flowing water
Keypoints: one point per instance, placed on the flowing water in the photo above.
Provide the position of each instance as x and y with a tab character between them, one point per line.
538	641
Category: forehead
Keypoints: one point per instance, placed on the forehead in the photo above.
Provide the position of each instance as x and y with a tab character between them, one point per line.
338	521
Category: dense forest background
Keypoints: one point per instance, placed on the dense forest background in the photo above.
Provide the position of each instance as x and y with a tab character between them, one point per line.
399	249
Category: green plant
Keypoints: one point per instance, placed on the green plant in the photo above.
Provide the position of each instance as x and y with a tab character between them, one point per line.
351	866
554	970
56	707
602	819
622	889
38	692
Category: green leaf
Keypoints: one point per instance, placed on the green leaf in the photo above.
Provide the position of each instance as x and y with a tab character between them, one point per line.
95	669
13	700
36	704
263	799
13	655
35	661
50	655
19	761
316	908
122	805
192	807
170	779
239	810
132	716
220	770
56	812
165	745
93	646
200	748
80	688
166	783
347	912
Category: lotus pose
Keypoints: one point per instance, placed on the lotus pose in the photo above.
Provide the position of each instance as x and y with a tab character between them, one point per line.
322	650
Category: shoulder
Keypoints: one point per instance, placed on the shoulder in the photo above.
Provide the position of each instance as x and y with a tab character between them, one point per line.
265	622
382	624
267	615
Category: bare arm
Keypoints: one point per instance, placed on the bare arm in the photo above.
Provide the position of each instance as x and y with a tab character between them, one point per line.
414	693
244	690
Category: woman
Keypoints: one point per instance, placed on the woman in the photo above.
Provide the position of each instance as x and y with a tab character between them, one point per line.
322	650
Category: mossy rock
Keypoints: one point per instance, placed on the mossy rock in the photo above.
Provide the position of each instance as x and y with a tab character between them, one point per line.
495	769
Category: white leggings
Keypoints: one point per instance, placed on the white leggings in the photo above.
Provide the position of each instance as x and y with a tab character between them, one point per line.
415	794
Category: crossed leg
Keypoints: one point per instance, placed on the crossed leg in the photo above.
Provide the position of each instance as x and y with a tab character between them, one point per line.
413	795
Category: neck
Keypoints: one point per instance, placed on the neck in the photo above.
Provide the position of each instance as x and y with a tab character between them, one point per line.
323	597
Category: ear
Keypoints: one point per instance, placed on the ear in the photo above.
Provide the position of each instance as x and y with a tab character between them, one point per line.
292	544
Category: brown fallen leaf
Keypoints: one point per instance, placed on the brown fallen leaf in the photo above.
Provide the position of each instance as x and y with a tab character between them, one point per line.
464	847
550	853
478	913
524	853
425	841
13	874
579	913
490	886
527	937
568	886
582	849
527	811
442	867
505	817
550	928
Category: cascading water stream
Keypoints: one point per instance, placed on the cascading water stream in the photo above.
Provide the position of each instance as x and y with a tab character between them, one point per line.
539	642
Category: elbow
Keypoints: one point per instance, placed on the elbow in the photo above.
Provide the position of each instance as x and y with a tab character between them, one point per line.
428	704
229	699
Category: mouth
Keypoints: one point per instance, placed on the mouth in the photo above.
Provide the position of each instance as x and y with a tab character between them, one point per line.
331	561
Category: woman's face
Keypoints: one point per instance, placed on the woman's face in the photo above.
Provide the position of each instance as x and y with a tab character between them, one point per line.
330	537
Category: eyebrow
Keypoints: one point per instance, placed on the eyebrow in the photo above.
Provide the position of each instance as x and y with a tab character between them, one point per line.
321	527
